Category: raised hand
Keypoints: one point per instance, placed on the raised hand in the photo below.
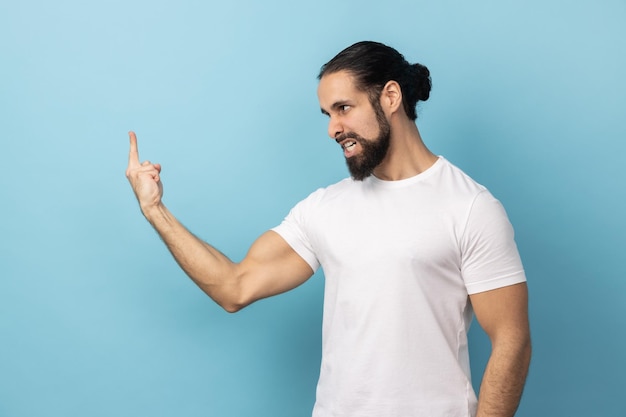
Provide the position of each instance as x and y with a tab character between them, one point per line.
144	178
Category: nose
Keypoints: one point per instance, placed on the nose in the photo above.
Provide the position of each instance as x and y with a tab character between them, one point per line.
335	128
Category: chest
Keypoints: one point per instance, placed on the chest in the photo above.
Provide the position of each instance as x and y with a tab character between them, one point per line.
368	230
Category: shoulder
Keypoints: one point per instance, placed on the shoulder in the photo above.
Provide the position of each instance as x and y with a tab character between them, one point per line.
456	190
455	178
330	192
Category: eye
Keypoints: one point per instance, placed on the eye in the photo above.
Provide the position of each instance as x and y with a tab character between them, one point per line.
344	108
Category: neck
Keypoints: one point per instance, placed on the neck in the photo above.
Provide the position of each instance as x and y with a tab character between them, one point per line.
407	155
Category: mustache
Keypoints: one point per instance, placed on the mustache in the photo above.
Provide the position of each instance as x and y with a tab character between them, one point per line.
348	135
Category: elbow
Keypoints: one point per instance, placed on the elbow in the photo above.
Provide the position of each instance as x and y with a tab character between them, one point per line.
234	302
525	345
238	296
516	345
528	350
232	307
232	296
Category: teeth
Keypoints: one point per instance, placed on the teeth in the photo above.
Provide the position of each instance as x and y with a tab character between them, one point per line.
350	145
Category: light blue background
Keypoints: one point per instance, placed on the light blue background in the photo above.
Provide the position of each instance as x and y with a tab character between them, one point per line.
96	319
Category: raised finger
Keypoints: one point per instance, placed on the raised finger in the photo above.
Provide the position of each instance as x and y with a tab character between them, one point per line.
133	154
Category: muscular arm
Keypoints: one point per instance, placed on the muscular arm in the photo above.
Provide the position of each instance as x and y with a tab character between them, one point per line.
270	267
503	314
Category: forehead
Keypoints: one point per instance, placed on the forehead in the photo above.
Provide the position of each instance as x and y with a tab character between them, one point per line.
336	87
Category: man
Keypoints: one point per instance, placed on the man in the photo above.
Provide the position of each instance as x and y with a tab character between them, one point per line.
410	247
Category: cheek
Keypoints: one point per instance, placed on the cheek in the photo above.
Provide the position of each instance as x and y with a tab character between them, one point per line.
363	122
370	128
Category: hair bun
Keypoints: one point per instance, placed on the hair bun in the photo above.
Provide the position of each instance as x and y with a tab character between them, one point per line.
422	80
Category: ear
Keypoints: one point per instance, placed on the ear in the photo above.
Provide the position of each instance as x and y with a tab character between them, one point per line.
391	97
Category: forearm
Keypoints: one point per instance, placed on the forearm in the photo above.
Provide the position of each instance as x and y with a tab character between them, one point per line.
503	380
211	270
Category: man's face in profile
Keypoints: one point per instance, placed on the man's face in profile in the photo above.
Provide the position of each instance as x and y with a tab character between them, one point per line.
360	128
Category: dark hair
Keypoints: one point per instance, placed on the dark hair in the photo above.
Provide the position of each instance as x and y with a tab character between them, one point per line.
374	64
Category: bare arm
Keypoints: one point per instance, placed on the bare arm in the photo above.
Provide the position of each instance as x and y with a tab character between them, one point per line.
270	267
503	314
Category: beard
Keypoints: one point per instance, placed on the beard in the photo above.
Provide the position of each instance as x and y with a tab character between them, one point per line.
373	151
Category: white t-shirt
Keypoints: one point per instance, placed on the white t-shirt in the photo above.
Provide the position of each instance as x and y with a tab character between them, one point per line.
399	259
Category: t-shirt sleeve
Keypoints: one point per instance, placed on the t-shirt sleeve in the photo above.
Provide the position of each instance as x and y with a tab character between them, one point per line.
294	230
489	255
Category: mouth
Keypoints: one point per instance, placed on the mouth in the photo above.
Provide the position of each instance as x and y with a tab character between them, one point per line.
348	145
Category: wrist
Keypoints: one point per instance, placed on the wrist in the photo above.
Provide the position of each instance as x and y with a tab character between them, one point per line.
153	212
